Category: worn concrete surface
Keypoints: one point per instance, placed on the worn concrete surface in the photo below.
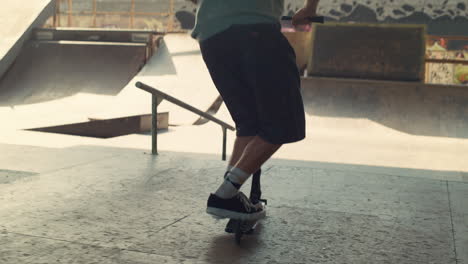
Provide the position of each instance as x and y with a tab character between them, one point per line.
124	206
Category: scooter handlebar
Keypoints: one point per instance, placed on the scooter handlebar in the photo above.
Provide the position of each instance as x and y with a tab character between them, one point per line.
314	19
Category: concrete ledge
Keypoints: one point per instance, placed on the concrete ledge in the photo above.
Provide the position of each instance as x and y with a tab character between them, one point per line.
110	127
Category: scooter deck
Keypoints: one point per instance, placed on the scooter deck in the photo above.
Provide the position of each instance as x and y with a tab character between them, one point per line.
245	227
242	227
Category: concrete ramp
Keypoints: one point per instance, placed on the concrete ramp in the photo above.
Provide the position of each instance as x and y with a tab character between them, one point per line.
64	77
411	108
51	70
18	18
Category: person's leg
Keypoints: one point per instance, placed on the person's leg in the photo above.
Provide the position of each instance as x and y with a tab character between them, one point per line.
257	152
239	145
238	149
250	154
222	55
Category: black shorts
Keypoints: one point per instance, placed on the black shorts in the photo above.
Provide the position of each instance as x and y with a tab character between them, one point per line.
254	69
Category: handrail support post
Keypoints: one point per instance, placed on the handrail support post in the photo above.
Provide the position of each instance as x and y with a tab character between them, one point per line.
154	125
163	96
224	143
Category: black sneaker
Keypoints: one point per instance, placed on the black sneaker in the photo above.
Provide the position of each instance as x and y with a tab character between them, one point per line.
238	207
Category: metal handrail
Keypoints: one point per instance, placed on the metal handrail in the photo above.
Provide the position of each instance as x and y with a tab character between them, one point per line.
447	37
154	127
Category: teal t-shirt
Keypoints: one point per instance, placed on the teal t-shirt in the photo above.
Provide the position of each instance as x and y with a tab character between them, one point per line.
214	16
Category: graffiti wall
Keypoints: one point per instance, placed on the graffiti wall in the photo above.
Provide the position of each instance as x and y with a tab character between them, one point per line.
443	17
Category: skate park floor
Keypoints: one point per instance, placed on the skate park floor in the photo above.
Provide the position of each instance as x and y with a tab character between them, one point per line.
335	197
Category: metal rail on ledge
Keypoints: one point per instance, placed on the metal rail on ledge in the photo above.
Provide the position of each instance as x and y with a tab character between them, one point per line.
154	127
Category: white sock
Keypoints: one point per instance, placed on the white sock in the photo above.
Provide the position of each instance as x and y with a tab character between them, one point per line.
229	168
233	181
238	176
